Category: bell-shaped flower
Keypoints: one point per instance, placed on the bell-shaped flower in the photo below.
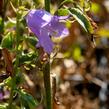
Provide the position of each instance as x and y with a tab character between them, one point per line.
44	25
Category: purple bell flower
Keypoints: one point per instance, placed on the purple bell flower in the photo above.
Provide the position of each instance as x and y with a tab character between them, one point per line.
44	25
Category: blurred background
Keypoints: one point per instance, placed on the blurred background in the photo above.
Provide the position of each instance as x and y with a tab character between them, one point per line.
81	69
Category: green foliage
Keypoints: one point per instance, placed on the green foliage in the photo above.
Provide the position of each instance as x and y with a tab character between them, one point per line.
22	47
32	40
9	82
27	100
18	79
63	12
27	58
7	41
82	19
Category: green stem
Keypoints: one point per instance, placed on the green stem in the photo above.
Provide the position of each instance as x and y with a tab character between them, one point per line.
17	58
47	5
46	72
5	3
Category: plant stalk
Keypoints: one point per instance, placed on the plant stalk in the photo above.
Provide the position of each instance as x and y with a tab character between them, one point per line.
46	72
47	5
17	57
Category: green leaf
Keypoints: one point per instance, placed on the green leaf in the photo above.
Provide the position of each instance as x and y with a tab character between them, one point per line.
82	19
7	41
32	40
25	58
62	12
27	100
9	82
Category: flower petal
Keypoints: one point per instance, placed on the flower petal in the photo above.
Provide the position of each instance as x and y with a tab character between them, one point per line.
43	24
38	18
58	28
45	42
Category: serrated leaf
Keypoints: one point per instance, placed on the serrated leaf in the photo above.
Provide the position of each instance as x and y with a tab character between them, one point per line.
82	19
63	12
